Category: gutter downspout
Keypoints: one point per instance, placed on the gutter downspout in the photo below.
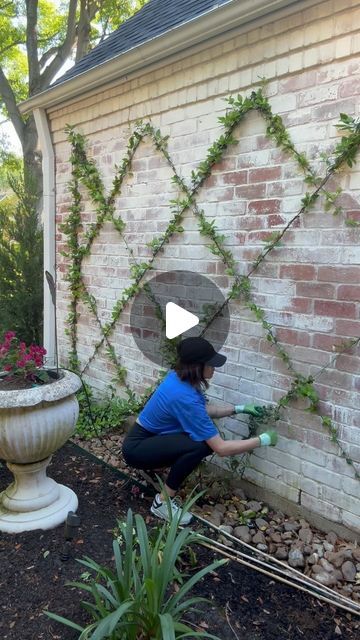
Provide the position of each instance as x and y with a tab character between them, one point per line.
48	215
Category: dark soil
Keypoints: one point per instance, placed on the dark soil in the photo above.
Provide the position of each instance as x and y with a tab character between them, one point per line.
12	382
244	603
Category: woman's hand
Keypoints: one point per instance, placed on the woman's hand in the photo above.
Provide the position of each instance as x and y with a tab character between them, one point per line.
250	409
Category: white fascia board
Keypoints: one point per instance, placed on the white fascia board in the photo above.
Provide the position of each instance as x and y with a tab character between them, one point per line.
213	23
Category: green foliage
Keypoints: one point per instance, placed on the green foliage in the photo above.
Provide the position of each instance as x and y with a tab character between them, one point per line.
10	166
21	266
109	413
138	598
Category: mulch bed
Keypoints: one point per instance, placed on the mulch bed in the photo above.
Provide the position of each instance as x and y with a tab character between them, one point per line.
244	603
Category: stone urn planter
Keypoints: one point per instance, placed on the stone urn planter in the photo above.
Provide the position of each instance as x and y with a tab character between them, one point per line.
34	423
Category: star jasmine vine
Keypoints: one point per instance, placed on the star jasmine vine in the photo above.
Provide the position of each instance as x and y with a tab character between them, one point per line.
86	173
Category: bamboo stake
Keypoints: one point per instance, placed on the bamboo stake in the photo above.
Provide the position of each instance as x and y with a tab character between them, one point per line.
286	569
280	579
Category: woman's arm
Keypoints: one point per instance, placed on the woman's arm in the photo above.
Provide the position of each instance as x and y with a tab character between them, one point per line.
235	447
220	411
232	447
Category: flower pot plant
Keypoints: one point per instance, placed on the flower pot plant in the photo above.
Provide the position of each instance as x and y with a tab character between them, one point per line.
38	412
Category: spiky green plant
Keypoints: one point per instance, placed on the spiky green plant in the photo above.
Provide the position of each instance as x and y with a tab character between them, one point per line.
137	600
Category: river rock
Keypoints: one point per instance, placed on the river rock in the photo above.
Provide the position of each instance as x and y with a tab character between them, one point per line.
276	536
291	526
214	517
317	569
262	547
319	549
287	535
259	538
303	523
306	535
231	519
261	524
225	541
331	537
239	493
356	554
254	505
226	528
348	570
313	558
326	565
338	558
296	558
243	533
221	508
328	546
327	579
281	553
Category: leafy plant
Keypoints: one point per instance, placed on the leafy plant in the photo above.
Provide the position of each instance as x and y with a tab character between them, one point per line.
138	599
97	416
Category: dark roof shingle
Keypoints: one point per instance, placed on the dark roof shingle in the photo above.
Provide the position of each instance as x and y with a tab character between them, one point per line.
154	19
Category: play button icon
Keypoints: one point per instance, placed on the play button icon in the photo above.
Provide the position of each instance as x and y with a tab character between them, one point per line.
174	305
178	320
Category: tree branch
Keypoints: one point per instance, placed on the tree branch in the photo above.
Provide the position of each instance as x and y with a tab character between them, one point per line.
32	45
83	30
64	50
47	55
8	97
15	43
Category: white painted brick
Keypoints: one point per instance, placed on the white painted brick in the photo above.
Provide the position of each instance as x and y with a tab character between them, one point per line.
321	475
341	500
320	507
315	456
351	521
281	489
351	486
309	487
186	103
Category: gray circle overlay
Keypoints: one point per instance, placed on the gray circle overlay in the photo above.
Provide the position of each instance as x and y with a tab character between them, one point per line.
193	292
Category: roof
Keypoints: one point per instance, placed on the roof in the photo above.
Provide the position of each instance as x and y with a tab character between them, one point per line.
156	18
161	30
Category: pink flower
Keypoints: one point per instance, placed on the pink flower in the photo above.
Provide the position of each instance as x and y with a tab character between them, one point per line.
21	360
9	335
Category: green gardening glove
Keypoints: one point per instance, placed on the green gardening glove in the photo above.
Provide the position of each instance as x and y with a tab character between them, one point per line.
268	439
251	409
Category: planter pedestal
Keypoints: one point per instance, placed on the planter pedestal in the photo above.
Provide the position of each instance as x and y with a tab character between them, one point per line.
33	424
34	501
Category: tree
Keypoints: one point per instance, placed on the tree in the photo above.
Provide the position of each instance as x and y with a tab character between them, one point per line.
21	264
36	38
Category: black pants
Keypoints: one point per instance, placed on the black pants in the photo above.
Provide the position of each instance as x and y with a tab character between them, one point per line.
145	450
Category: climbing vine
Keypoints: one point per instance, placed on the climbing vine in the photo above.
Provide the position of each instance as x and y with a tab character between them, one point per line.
86	173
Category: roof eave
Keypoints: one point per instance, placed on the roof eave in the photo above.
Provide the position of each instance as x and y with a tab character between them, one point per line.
208	25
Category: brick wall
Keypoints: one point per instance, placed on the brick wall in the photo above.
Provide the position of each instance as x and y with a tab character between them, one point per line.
309	287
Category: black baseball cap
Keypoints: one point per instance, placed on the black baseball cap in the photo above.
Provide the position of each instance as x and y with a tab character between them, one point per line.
194	350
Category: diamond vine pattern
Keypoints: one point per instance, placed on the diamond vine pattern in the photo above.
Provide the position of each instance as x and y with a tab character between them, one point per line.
84	171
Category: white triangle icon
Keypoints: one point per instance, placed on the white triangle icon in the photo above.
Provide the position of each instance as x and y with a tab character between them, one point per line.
178	320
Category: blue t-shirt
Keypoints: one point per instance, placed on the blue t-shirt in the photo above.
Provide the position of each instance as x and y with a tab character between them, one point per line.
177	407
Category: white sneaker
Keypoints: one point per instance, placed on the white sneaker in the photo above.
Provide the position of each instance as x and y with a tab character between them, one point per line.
161	510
